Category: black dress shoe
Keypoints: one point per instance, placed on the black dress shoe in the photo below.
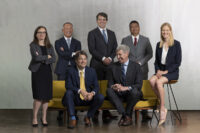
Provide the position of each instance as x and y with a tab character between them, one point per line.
87	121
127	121
44	124
121	121
95	118
35	125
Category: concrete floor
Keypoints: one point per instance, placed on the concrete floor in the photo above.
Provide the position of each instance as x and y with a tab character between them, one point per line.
19	121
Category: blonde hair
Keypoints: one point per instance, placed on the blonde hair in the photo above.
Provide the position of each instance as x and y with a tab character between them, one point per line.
171	38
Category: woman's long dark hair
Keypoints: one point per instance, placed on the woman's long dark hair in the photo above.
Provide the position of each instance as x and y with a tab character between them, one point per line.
46	40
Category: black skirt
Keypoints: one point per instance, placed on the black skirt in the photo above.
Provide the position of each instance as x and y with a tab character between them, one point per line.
42	81
169	76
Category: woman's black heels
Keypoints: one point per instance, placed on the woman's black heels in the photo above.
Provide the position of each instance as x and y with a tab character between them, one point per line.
35	125
44	124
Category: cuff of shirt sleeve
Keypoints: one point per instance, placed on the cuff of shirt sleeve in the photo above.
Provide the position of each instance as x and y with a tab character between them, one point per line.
130	88
110	58
94	92
79	91
103	58
73	53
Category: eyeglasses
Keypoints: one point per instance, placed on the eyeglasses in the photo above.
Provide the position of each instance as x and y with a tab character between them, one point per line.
41	32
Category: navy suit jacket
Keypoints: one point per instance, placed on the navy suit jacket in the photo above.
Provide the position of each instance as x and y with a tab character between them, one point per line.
65	56
73	80
173	59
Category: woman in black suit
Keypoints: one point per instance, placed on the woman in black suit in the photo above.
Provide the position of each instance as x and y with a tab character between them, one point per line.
43	56
167	62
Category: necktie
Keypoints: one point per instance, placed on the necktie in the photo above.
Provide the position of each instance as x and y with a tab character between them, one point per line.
82	83
68	42
135	41
123	74
105	37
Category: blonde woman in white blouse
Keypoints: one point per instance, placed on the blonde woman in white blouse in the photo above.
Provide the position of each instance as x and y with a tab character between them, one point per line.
167	61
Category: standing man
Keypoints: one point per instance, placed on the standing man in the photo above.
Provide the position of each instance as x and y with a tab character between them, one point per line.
82	89
140	52
66	47
102	44
124	84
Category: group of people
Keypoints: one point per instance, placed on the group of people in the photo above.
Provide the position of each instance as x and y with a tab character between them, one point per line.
124	77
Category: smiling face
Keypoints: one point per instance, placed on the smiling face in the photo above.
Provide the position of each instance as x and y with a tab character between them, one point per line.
41	34
81	61
101	22
122	56
67	30
134	29
166	32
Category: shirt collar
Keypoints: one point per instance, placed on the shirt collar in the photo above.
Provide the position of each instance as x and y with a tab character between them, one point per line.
101	29
133	37
126	63
81	70
68	38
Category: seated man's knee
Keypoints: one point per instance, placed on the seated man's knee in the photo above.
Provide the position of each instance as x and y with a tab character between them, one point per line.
109	91
69	93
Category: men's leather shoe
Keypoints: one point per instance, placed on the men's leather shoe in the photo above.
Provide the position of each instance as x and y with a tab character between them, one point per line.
95	118
127	121
121	121
87	121
72	124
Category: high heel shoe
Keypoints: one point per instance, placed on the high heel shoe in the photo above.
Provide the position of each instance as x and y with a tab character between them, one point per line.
163	115
34	125
44	124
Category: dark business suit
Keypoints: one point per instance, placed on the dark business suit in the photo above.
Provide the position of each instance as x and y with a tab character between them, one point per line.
65	56
72	97
98	48
133	79
173	60
142	52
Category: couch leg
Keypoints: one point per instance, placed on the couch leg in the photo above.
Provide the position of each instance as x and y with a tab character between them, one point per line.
64	115
137	113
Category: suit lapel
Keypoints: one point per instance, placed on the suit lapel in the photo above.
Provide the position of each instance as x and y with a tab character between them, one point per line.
86	77
118	73
64	43
129	69
77	76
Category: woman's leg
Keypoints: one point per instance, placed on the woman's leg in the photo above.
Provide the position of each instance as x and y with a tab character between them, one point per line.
153	81
160	82
36	107
44	112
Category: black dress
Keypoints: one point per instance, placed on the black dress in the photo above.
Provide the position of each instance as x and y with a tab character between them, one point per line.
42	81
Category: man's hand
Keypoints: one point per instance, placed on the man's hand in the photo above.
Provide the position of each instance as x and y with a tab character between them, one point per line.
106	61
90	96
119	87
84	94
49	56
61	48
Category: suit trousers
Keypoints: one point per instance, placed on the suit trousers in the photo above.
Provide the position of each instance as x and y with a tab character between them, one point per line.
117	98
73	100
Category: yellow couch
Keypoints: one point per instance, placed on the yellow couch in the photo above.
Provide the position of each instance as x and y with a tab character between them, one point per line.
59	91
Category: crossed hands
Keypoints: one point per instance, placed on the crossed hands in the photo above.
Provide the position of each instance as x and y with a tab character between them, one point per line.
49	56
87	95
160	73
107	61
119	87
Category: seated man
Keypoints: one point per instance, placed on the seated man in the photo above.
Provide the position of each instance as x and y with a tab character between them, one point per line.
124	84
82	89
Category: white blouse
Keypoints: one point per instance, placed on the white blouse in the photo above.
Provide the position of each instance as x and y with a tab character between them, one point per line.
164	55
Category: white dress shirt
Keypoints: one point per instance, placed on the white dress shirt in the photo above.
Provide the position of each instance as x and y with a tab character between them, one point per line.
164	55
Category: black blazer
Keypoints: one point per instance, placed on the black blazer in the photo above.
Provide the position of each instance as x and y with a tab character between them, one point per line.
98	47
65	56
133	76
73	80
173	59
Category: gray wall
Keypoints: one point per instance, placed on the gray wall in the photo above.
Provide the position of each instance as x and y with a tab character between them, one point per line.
19	18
